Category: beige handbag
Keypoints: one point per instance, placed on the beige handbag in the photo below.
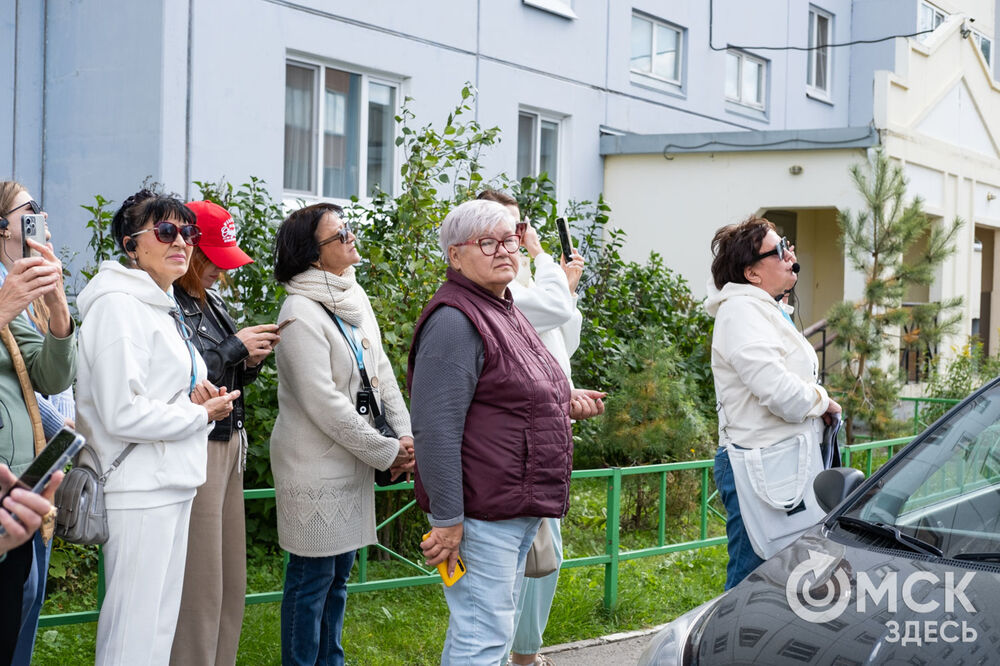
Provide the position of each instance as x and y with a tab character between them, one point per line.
542	558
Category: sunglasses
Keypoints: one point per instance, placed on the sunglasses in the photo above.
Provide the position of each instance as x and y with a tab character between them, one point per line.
343	235
36	208
166	232
780	249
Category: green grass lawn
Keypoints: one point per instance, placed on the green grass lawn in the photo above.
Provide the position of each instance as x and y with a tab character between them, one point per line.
407	626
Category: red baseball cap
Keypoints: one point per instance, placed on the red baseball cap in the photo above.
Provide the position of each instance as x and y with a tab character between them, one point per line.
218	235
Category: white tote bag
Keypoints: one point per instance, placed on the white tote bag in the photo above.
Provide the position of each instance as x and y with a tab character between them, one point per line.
770	482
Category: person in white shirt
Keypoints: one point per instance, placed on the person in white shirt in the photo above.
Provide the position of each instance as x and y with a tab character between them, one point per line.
548	300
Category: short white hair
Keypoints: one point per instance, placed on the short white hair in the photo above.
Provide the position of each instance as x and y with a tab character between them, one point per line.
472	220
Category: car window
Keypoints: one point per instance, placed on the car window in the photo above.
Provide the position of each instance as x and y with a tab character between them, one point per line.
946	491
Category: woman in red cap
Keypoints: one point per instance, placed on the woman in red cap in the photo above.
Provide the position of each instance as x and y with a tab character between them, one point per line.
208	629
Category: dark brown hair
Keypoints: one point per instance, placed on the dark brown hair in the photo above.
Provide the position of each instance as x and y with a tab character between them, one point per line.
735	247
145	206
295	246
499	197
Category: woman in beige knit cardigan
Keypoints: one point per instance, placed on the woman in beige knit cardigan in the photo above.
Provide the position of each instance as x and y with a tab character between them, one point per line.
324	446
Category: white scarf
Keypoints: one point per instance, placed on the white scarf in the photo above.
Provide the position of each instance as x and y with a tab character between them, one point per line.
340	293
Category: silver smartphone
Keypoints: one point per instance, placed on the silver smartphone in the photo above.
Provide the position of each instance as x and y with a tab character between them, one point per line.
32	228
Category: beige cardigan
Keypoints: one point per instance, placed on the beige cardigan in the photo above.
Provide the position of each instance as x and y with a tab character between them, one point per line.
323	453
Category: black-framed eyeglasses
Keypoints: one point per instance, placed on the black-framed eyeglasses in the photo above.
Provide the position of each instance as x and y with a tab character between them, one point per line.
166	232
780	249
343	235
36	208
490	246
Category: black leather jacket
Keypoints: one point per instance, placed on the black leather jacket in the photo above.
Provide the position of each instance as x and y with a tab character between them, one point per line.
224	353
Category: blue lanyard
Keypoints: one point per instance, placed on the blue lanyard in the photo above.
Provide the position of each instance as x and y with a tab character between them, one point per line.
186	334
352	340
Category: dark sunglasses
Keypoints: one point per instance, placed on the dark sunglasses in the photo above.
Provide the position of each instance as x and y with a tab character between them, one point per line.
780	249
166	232
36	208
343	235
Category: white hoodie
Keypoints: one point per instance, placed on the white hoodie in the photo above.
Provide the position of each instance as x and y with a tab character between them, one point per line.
132	386
549	307
766	372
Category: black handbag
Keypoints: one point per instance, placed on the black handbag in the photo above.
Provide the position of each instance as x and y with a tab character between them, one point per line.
367	395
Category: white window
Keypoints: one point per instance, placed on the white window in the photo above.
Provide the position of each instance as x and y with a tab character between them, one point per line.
537	146
656	49
985	45
339	132
929	17
746	79
820	31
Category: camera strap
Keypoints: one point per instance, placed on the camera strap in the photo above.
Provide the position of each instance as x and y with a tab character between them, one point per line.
358	349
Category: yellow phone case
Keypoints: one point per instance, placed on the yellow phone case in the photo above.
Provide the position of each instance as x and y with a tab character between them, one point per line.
443	569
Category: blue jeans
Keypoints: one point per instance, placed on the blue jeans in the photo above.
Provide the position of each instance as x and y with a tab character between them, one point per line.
481	604
535	602
312	609
742	558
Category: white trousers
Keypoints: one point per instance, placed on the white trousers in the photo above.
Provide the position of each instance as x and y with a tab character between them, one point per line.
144	569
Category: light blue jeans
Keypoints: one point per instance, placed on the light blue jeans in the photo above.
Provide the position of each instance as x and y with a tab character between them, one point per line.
482	603
535	602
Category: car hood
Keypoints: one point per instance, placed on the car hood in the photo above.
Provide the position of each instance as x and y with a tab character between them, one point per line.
802	607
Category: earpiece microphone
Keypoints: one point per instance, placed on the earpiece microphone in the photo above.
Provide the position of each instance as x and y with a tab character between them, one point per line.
796	268
130	247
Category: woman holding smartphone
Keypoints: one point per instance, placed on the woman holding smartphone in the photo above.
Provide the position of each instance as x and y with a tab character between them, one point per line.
138	376
44	340
215	577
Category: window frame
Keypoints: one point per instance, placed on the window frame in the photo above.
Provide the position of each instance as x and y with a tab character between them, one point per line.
938	16
367	78
811	88
978	37
681	43
540	116
739	99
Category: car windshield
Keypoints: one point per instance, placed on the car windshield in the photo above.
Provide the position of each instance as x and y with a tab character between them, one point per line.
946	492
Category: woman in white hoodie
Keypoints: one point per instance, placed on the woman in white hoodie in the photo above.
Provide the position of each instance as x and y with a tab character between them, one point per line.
137	371
766	372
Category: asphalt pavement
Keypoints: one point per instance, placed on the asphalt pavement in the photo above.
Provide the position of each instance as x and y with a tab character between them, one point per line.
615	650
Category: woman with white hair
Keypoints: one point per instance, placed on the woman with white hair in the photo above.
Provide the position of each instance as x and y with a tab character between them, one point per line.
491	411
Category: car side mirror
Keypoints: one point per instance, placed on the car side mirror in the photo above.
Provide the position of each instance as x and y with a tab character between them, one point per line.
832	486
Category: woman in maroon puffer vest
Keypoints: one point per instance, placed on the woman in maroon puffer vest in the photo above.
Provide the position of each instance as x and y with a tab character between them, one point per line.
491	411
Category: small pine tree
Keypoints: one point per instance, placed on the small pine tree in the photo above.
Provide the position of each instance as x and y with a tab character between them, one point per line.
877	242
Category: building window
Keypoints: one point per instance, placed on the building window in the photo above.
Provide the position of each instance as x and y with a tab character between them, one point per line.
537	146
985	45
929	17
339	132
745	79
820	31
656	49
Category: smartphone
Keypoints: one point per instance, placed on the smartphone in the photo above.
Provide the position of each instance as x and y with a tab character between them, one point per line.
57	453
567	245
443	569
32	228
521	227
286	323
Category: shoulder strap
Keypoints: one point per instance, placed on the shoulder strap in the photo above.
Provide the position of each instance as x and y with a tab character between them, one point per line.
365	382
27	392
118	461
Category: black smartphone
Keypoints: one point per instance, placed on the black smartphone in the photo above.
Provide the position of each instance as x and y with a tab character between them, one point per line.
60	449
32	228
567	245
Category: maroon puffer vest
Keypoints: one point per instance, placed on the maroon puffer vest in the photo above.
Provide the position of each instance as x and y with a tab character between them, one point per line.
517	450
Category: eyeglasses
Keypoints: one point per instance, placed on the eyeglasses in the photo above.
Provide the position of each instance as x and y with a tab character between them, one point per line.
490	246
166	232
780	249
343	235
36	208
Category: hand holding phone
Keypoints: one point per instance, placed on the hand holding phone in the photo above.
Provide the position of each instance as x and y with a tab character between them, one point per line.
442	568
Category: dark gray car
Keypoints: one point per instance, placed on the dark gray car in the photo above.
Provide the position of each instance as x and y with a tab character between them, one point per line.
906	570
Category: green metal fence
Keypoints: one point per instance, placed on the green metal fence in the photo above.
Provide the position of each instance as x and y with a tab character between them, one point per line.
610	559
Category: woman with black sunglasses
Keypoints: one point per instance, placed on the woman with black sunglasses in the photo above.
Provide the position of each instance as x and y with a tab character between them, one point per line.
767	388
325	447
47	346
137	378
